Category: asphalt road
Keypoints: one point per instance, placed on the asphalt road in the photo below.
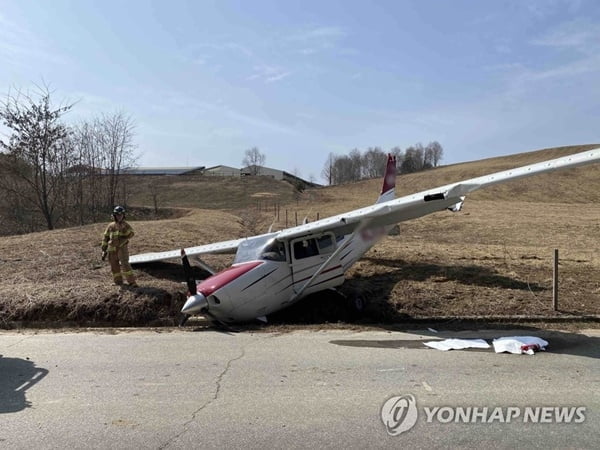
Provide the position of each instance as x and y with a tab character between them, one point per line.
174	389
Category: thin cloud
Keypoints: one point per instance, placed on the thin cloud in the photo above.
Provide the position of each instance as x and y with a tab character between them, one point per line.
255	122
11	30
219	47
174	100
580	35
18	45
322	33
277	77
505	67
317	39
14	40
207	53
580	38
269	74
565	71
542	9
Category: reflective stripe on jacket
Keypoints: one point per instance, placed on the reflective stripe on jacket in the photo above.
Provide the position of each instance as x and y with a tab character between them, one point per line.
117	235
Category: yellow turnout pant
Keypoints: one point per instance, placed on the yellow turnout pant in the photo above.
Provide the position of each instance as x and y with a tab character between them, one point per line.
119	265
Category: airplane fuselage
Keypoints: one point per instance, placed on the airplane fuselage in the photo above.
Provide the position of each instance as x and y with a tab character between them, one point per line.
268	275
274	270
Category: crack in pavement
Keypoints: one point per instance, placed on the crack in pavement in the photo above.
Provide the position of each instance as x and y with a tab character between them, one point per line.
208	403
21	340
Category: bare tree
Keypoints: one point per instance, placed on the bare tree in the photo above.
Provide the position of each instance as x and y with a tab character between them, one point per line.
254	160
327	172
399	154
91	194
116	143
341	170
373	163
436	151
414	159
38	151
103	148
355	165
427	158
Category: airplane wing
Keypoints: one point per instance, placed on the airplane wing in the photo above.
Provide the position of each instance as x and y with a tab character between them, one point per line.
215	248
409	207
450	196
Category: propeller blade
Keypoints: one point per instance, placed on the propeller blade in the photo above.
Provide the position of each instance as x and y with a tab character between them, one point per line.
189	276
183	318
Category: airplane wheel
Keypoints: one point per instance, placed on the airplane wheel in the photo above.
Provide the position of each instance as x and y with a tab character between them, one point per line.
356	305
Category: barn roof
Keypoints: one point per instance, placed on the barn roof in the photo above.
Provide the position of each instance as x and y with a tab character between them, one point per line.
159	170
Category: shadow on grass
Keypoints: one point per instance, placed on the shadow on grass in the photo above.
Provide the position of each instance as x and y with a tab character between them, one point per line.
331	306
466	274
172	271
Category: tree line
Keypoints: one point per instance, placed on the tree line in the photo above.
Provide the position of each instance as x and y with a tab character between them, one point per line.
53	174
356	165
57	175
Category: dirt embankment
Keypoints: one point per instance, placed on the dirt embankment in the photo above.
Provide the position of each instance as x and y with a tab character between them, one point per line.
494	258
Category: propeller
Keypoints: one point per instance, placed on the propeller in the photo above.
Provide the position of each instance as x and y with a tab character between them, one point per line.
191	284
199	301
189	276
196	302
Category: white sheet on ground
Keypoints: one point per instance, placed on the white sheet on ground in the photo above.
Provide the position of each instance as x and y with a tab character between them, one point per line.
457	344
519	344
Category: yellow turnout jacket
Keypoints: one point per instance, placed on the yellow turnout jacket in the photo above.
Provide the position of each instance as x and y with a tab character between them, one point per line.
117	235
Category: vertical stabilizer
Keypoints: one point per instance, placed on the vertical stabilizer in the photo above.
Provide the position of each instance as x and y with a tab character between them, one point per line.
389	181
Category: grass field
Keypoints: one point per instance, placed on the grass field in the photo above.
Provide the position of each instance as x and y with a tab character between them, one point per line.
494	258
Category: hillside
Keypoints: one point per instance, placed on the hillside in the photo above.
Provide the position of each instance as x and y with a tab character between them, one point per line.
209	192
493	258
235	194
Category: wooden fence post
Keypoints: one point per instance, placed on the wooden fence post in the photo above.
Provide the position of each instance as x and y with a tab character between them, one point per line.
555	282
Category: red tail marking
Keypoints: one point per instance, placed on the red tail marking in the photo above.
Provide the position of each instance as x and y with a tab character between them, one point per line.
389	179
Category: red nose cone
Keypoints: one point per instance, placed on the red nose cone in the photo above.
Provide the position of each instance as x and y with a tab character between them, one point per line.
217	281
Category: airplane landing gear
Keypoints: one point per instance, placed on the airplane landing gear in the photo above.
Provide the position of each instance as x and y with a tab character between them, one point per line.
183	318
356	305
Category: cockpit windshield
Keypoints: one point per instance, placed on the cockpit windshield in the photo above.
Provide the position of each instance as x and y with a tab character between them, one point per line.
261	247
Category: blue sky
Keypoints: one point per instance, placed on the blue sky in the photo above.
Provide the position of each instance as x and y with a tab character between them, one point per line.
205	80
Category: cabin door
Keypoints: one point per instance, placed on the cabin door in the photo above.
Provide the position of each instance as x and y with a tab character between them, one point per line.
307	256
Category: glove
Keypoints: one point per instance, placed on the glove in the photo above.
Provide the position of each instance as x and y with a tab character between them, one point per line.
103	255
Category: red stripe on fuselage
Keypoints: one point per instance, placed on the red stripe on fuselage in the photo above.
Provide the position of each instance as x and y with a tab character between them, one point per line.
217	281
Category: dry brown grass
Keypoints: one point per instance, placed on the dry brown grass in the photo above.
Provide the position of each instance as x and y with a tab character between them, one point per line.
225	193
493	258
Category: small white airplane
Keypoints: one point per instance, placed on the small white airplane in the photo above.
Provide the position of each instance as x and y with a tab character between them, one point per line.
274	270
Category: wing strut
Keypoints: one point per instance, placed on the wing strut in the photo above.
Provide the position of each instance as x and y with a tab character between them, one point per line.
205	266
322	267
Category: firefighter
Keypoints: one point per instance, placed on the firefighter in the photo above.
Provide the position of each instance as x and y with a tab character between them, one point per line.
114	244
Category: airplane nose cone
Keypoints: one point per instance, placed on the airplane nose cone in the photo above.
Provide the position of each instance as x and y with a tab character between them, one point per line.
195	304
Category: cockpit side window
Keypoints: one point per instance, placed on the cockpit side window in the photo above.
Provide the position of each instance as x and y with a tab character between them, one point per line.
274	252
253	248
305	248
325	244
